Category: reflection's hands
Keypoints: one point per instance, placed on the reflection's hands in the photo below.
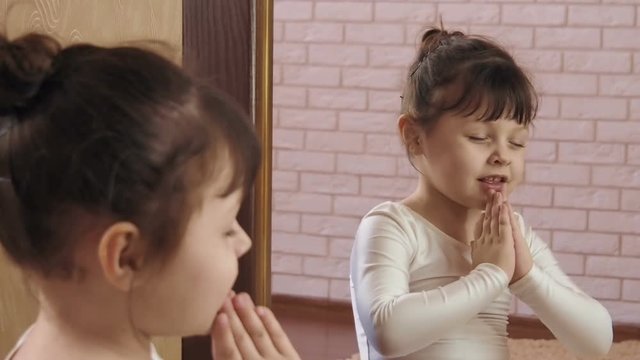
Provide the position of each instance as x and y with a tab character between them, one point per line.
494	241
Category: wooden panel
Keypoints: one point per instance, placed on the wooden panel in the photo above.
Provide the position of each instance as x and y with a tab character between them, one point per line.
217	45
104	22
18	307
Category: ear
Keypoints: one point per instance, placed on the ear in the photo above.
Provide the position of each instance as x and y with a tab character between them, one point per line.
121	254
410	132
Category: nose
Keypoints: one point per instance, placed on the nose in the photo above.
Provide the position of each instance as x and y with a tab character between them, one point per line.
242	241
499	156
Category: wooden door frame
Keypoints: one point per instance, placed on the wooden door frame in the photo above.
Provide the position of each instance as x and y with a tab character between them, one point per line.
230	43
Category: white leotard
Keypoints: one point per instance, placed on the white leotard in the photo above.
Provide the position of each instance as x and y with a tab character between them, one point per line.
416	296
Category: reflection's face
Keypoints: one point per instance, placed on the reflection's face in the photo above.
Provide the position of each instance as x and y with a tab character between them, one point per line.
467	159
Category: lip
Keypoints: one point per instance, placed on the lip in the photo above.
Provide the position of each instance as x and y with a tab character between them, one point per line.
494	186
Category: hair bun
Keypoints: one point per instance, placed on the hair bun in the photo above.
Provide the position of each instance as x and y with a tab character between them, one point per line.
435	37
24	63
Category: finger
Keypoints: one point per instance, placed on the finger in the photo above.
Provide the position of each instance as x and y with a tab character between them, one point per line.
504	195
487	205
486	223
512	217
486	228
240	335
505	230
223	346
277	334
477	231
495	216
518	236
259	335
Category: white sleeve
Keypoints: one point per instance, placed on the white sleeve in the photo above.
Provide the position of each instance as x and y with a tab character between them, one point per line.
396	321
579	322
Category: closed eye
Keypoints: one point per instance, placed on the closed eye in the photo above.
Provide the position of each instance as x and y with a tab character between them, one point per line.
518	145
477	138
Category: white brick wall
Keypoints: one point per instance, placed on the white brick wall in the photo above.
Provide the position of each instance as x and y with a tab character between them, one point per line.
338	70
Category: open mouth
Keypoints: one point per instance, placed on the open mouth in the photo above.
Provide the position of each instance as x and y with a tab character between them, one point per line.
494	179
494	183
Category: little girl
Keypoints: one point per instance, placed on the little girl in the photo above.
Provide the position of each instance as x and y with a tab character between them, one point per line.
433	275
120	181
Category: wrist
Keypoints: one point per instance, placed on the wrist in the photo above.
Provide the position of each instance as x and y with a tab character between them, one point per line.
519	273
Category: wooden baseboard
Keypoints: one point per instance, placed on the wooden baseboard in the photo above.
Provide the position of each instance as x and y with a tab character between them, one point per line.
334	311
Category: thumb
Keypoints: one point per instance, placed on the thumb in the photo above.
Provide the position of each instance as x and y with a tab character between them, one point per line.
477	231
515	225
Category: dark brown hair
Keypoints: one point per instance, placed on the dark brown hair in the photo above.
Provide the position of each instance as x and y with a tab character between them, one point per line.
454	72
120	132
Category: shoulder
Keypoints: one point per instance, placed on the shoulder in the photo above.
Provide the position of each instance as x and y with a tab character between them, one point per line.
389	213
390	220
21	341
154	353
389	209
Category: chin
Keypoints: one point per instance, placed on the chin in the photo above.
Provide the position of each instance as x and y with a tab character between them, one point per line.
199	329
479	203
198	323
471	202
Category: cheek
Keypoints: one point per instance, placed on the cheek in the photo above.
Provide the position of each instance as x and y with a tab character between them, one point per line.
453	168
464	162
216	271
222	270
184	297
518	168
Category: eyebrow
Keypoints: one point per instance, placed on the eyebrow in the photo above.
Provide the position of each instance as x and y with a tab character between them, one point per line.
474	123
522	129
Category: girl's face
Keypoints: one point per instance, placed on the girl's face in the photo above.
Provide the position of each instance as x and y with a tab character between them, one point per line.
183	297
466	159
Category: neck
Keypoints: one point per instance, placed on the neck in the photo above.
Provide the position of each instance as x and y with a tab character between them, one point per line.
447	215
93	325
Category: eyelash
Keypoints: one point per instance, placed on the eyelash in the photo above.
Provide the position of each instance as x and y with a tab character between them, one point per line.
479	139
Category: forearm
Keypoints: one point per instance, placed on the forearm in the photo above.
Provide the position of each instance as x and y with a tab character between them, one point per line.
399	325
581	323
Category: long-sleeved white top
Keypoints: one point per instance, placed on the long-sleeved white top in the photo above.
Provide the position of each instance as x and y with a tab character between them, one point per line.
416	296
23	339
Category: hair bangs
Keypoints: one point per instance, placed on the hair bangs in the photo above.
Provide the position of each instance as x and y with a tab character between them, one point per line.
492	90
235	147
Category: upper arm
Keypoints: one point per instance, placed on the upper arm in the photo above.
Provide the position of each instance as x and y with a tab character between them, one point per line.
381	258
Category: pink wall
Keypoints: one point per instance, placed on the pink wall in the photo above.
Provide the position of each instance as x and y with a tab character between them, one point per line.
338	71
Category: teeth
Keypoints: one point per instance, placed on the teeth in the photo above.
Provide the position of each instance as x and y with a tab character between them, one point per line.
493	179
